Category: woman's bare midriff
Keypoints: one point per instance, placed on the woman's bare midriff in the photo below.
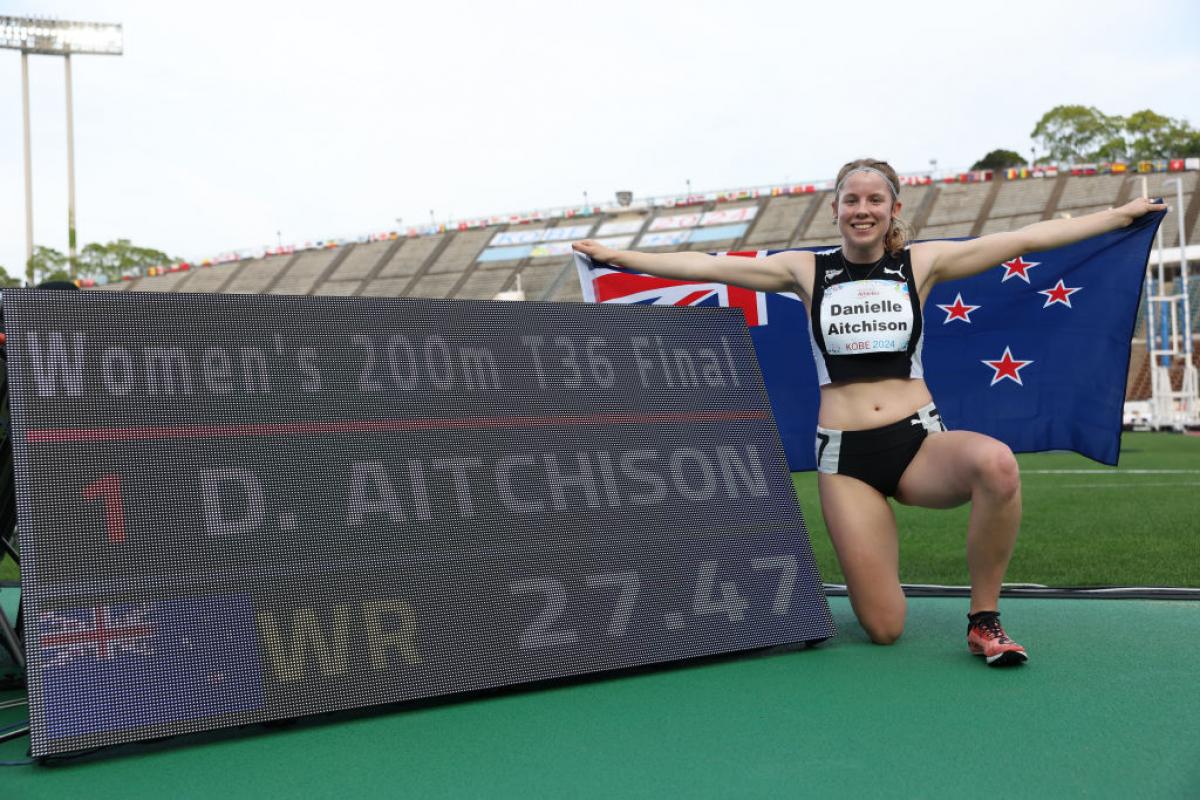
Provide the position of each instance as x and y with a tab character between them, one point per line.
862	405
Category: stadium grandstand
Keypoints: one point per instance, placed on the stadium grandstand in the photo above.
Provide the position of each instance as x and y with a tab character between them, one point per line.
527	255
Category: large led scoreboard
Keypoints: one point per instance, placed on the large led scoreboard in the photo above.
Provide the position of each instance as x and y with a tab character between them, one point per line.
237	508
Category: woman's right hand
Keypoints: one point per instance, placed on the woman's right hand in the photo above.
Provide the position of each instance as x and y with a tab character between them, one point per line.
597	251
1139	206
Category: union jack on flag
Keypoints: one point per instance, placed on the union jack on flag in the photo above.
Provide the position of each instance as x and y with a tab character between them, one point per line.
605	284
100	632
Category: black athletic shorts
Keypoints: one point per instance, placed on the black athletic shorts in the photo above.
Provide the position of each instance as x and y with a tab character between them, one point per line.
878	456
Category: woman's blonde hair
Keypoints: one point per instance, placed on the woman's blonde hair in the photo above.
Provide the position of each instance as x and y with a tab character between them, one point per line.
898	233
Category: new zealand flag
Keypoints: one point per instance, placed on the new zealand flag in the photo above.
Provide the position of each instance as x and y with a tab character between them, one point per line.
127	665
1034	352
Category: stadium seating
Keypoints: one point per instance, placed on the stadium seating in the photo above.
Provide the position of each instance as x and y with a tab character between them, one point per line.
1022	198
391	279
916	199
359	264
1137	384
955	211
777	222
538	279
305	271
440	275
255	278
170	282
478	262
1100	191
210	279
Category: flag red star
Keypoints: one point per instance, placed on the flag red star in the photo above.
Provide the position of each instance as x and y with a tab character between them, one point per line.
958	310
1007	367
1019	268
1059	294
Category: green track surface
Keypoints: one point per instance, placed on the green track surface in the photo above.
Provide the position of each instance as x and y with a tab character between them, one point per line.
1107	707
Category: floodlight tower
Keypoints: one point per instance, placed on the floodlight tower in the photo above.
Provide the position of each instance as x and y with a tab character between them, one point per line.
53	37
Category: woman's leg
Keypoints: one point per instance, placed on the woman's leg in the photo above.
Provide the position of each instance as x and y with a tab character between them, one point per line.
863	530
954	467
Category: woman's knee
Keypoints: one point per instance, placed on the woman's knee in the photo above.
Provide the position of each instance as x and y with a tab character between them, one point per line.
884	627
998	473
884	632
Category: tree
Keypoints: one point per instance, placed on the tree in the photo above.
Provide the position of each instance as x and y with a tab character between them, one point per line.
49	265
7	280
119	258
1154	136
1000	159
1085	133
1079	133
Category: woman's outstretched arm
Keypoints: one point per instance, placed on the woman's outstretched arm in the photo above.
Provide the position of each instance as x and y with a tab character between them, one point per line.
775	273
948	261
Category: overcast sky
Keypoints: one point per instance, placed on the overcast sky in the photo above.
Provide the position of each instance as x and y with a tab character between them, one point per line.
226	122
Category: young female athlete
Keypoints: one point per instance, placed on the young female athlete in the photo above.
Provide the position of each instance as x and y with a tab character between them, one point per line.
878	432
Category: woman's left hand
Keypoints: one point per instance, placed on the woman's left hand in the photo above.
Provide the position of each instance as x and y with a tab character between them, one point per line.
1140	207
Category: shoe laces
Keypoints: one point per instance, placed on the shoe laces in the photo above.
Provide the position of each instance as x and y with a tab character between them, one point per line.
990	626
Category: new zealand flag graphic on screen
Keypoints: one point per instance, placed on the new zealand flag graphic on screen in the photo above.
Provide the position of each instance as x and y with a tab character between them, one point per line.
113	667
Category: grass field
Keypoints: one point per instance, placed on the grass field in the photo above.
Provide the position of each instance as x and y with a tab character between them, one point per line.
1085	524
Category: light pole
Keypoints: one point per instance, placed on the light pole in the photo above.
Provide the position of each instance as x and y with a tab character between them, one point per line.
52	37
28	168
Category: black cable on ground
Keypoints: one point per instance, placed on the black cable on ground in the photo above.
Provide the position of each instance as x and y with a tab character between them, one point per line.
14	731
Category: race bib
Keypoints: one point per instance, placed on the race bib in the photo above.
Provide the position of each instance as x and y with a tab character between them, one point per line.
866	317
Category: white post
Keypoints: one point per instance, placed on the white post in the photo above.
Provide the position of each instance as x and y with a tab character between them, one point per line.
1162	399
28	170
1189	389
70	173
1150	332
1183	264
1158	237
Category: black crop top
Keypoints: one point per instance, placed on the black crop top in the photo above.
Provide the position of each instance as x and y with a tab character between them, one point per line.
865	319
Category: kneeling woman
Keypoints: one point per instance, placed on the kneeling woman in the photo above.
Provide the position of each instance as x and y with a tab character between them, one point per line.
878	432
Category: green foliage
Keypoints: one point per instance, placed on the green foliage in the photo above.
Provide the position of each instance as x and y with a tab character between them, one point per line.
1078	133
1000	159
1154	136
49	265
108	261
119	258
7	280
1085	133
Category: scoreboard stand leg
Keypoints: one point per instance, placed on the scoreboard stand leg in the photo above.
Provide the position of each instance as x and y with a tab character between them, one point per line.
10	638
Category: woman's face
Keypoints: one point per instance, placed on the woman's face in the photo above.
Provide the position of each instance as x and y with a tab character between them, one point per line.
864	209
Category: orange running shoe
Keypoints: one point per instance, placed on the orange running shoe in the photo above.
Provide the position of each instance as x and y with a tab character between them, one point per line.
986	638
